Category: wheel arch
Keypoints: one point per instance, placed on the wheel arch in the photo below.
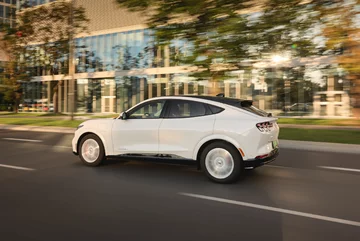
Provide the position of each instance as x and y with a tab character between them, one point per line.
205	143
88	133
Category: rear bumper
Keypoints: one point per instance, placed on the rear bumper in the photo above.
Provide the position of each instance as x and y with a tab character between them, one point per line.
253	163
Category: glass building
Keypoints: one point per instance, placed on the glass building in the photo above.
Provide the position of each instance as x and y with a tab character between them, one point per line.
117	66
7	12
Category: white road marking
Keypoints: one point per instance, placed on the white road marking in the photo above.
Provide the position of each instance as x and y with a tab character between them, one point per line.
273	209
17	139
63	146
18	168
340	169
280	167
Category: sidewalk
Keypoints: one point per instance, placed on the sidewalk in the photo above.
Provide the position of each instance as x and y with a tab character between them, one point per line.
286	144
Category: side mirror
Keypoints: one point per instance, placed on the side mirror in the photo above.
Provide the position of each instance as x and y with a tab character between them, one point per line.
124	116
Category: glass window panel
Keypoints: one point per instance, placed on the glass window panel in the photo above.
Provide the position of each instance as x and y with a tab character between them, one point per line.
150	110
108	53
7	12
93	54
100	53
182	108
113	50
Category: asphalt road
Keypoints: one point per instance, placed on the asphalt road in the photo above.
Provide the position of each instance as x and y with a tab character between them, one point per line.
47	194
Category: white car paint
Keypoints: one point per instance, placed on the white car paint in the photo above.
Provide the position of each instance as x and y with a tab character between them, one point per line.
182	137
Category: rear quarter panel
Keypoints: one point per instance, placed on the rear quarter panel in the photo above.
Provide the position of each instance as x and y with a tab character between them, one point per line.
240	127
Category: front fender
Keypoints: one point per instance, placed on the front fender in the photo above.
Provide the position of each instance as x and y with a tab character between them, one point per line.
102	130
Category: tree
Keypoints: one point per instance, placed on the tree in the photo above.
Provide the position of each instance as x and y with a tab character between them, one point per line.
223	33
341	30
41	42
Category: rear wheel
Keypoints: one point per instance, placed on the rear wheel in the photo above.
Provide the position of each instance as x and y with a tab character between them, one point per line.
221	162
91	150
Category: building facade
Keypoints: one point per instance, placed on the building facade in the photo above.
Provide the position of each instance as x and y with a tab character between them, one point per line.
117	66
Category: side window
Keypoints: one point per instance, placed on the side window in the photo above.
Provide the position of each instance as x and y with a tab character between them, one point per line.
215	109
151	110
184	108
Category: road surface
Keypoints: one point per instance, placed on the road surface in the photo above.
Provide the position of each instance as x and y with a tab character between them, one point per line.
47	194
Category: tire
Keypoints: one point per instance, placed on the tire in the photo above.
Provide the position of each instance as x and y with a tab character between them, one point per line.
221	162
94	145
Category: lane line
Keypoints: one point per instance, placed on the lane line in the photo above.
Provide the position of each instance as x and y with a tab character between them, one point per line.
340	169
281	167
17	167
273	209
18	139
63	146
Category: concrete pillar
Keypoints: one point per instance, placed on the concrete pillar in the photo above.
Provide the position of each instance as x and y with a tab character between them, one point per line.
227	89
158	89
186	88
177	88
238	90
330	108
150	90
331	83
316	105
59	98
262	104
142	89
66	97
48	95
167	56
346	105
168	84
196	88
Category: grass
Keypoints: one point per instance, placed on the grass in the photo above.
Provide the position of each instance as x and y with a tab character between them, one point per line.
334	136
328	122
40	122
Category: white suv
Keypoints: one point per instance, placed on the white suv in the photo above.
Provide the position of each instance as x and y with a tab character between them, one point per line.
222	135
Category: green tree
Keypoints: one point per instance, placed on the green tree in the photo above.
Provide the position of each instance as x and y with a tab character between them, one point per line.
224	33
341	29
40	42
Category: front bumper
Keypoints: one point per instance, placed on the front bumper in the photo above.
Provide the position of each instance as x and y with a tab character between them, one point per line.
253	163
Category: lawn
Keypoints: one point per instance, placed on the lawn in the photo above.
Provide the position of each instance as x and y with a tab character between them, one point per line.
329	122
334	136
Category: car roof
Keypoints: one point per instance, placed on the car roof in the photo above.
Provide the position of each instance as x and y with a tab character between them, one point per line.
220	99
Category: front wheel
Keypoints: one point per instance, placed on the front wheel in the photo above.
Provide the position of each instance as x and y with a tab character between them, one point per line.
91	150
221	162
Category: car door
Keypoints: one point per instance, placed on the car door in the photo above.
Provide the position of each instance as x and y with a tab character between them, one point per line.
184	125
139	132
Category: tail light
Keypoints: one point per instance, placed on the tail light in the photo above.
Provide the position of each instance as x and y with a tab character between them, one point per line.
264	126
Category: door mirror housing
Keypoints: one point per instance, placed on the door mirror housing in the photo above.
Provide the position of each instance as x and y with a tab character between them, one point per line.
124	116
